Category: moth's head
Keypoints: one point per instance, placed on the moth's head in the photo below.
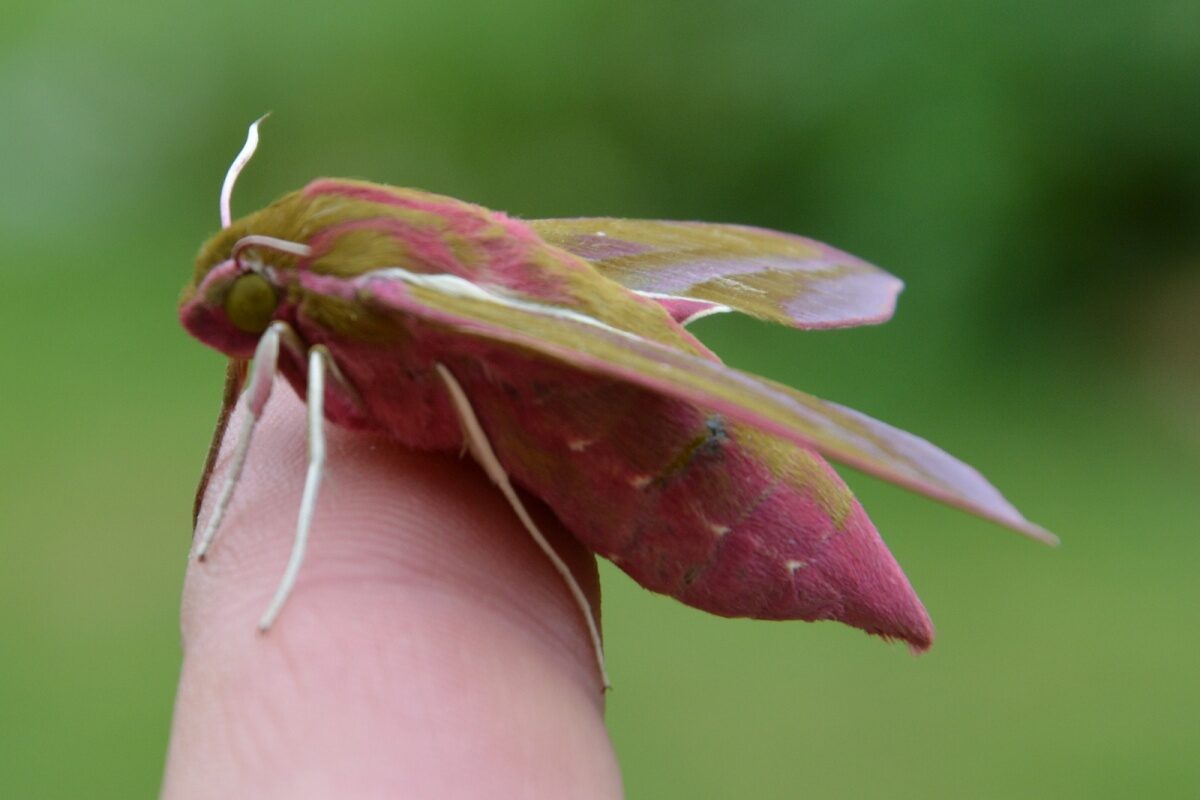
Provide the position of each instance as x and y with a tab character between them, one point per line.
256	268
235	294
249	274
244	279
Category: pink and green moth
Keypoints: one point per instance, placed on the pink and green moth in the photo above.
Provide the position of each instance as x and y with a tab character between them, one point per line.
557	352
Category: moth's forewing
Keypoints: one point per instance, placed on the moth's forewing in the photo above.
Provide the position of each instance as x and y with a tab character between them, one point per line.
837	432
774	276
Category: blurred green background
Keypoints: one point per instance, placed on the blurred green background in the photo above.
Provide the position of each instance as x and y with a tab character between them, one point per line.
1031	169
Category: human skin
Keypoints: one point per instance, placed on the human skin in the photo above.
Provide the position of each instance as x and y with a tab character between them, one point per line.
429	648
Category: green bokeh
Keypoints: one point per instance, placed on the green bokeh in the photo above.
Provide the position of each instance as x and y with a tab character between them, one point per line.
1032	170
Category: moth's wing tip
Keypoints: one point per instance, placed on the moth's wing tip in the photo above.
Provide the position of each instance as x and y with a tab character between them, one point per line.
1039	534
1012	519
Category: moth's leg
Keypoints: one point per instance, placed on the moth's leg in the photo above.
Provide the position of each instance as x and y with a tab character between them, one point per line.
338	382
482	449
318	361
235	381
258	390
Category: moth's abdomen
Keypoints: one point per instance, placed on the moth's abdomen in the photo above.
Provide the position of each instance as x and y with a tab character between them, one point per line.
788	541
720	516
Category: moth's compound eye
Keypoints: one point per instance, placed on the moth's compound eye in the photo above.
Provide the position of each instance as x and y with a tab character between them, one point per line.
251	303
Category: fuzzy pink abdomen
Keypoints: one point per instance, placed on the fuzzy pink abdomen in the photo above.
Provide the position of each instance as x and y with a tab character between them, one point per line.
692	506
687	503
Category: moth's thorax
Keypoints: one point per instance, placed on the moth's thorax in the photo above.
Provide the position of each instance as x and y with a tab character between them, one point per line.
349	229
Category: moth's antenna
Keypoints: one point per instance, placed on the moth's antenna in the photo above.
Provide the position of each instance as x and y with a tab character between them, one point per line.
236	168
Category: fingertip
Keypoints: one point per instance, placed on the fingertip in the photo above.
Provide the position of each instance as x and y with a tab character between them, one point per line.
421	614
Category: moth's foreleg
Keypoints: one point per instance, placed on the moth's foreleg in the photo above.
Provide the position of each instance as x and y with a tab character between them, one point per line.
481	448
235	381
318	361
258	390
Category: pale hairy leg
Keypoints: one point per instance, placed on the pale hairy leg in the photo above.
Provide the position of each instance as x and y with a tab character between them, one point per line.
318	360
481	448
258	391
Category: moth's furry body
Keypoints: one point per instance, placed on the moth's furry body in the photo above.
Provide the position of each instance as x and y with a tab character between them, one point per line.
556	351
690	504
